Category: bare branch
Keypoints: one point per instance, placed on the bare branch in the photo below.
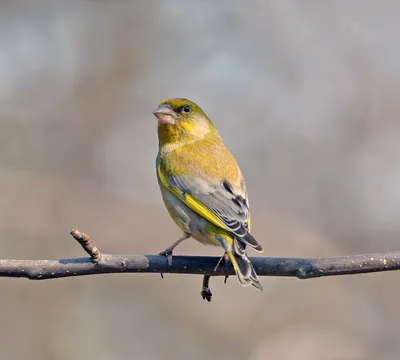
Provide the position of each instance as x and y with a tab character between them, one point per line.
199	265
100	263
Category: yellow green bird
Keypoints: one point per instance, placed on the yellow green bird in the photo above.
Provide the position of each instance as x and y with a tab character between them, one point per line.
202	186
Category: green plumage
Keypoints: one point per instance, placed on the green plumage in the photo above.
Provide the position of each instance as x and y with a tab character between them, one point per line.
202	185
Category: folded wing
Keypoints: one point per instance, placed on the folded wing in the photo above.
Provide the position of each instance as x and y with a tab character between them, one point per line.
216	202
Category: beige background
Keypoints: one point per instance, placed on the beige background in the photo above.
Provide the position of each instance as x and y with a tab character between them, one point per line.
305	94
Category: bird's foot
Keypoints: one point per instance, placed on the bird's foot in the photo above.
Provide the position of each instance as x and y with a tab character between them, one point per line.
222	262
168	254
205	290
206	294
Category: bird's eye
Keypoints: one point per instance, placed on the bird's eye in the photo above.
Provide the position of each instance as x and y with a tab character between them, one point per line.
186	109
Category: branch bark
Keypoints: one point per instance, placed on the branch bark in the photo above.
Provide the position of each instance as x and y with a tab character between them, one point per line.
99	263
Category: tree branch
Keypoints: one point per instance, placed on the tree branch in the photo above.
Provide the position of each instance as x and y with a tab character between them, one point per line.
99	263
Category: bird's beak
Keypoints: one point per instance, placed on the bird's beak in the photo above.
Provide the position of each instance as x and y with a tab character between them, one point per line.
165	114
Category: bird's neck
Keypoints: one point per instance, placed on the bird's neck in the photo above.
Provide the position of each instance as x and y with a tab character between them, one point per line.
171	136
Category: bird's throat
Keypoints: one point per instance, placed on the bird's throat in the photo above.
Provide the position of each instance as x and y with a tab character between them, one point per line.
171	136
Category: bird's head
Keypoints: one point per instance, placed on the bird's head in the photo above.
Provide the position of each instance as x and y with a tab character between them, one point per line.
181	121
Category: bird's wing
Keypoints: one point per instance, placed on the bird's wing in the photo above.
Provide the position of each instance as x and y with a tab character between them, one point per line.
216	202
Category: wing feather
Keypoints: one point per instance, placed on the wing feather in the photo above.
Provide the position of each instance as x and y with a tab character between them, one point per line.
217	202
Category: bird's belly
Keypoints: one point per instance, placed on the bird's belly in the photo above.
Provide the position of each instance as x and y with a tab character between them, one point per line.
187	219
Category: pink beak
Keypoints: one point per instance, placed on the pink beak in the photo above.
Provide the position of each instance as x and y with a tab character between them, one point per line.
165	114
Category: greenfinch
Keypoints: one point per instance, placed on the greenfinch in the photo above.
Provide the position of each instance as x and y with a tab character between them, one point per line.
202	186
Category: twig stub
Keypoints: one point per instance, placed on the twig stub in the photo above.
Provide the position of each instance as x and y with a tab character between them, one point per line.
84	240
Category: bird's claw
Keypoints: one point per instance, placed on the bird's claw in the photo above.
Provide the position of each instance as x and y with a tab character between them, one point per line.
205	290
168	254
206	294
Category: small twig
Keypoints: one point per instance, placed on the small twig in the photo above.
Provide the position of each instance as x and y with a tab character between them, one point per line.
84	240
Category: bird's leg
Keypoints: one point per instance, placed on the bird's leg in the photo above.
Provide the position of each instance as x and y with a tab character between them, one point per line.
168	251
223	263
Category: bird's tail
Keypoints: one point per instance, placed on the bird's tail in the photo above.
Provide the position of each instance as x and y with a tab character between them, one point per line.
244	270
236	251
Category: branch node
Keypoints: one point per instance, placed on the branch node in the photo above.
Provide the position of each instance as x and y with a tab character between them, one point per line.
303	273
87	245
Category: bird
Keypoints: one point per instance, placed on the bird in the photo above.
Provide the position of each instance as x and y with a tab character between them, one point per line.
202	186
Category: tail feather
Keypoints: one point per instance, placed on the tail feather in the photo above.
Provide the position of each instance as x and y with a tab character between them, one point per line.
244	270
250	240
236	250
255	281
239	247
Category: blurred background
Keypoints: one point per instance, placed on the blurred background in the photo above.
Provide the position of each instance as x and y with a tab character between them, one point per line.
306	96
